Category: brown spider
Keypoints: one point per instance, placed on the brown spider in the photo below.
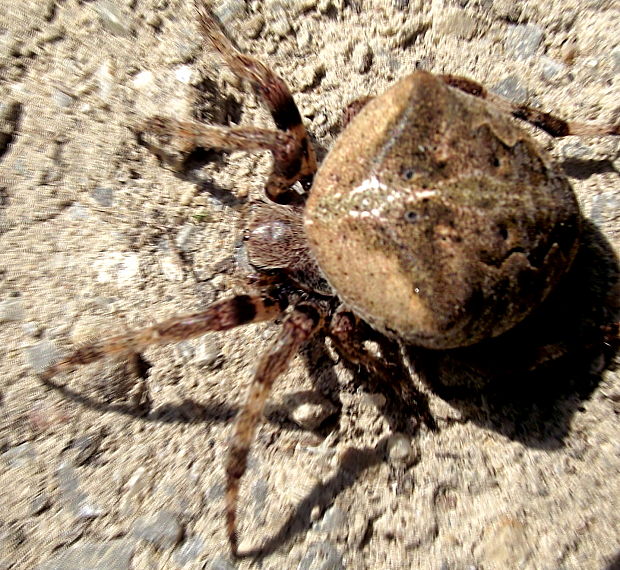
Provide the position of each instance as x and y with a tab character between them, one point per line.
434	221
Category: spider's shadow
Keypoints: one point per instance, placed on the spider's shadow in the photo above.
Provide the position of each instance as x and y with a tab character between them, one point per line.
582	169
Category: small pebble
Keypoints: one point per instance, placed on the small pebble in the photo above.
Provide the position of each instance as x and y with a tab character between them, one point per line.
254	26
508	10
230	11
605	207
260	492
162	530
86	510
104	196
117	267
458	24
326	6
510	87
190	549
32	329
39	503
334	519
305	5
112	18
51	34
184	74
184	238
63	100
106	79
321	556
309	410
171	268
143	79
399	449
377	401
41	355
362	57
523	40
137	482
20	455
310	76
615	56
550	69
209	354
154	20
569	51
85	447
574	149
185	350
12	310
304	38
505	544
280	24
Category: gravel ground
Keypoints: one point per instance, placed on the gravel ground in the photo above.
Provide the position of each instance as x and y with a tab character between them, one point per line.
111	470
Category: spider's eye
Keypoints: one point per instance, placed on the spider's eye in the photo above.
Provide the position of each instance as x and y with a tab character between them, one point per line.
408	173
411	216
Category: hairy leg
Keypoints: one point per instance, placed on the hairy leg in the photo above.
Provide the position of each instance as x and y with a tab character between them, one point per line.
183	137
353	108
297	328
551	124
289	167
349	333
223	315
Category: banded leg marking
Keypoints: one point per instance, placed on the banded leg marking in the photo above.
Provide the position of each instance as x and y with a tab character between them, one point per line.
297	328
222	315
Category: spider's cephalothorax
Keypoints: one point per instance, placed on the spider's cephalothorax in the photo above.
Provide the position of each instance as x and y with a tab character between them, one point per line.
435	220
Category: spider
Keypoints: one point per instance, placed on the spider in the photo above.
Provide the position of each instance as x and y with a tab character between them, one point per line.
435	221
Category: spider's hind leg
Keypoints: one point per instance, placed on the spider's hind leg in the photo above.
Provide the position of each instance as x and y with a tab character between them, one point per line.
298	327
547	122
387	372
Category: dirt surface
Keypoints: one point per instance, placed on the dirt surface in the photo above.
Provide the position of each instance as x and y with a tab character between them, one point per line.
114	470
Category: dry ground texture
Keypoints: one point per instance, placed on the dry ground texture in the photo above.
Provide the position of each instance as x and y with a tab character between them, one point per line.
119	471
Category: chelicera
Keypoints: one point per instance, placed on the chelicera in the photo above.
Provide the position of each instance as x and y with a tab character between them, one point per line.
434	221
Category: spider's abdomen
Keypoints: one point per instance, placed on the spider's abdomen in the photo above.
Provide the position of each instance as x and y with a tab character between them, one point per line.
437	219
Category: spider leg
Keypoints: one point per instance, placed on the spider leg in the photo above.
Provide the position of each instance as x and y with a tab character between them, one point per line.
223	315
185	136
547	122
348	333
353	108
299	326
289	167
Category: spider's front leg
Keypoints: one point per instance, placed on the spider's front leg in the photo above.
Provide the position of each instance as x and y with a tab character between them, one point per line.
294	156
298	327
223	315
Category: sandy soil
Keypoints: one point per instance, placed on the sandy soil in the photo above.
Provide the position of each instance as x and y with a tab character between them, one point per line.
111	471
